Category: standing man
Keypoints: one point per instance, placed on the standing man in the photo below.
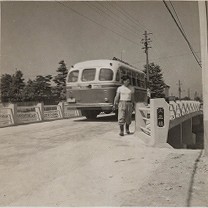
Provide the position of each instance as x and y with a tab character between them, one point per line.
125	101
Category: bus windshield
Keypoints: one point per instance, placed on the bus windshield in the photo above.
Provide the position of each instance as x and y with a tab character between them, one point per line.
73	76
88	75
105	74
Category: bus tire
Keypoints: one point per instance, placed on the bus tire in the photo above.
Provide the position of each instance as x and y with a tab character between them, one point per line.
90	114
116	113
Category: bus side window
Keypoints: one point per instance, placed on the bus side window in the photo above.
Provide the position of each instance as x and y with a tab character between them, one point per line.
142	80
73	76
118	75
138	80
134	83
122	72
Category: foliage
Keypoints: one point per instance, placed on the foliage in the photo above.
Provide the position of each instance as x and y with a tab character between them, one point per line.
156	82
186	98
60	80
38	89
6	81
12	87
197	98
17	86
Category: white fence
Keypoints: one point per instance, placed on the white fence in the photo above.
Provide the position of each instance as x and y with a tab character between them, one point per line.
14	115
152	122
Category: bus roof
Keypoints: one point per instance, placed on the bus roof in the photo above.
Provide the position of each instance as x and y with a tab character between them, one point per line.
104	63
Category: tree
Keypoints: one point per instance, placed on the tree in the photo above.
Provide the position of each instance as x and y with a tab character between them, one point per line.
12	87
6	81
156	82
186	98
39	89
42	86
197	98
60	81
17	86
29	93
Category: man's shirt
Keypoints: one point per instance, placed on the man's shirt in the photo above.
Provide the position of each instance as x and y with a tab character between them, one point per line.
125	92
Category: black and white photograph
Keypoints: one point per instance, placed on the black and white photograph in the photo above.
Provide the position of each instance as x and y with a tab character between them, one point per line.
104	103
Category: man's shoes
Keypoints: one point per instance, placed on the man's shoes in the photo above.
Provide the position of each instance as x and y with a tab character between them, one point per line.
121	130
127	129
128	132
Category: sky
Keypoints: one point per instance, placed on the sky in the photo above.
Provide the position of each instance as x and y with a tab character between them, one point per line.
37	35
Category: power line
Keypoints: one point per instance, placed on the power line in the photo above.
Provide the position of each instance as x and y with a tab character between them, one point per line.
68	7
119	18
101	12
132	19
167	57
177	17
180	22
119	9
182	34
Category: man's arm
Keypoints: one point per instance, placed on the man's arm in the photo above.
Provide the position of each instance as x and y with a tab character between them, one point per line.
116	100
133	97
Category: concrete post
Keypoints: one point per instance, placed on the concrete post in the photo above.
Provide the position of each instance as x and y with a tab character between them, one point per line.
159	121
61	107
13	114
40	111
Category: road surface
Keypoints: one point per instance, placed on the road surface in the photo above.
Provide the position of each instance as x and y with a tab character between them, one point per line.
75	162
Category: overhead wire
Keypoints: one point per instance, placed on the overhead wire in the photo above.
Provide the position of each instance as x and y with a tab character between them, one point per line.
179	20
136	22
167	57
126	14
103	26
117	16
106	15
182	33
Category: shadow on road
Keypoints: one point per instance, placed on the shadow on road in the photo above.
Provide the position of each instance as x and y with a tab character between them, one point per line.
102	118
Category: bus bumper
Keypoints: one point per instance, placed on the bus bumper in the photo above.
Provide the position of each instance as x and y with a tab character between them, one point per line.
97	106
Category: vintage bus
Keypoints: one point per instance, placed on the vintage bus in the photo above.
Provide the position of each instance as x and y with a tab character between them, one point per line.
91	85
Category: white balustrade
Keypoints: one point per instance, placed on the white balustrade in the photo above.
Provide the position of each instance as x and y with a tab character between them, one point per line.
13	114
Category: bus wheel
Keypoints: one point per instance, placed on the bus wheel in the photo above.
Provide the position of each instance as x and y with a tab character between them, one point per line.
116	113
90	114
107	112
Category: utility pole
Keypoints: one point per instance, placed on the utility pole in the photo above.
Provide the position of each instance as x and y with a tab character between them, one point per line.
202	5
195	95
189	96
179	89
146	42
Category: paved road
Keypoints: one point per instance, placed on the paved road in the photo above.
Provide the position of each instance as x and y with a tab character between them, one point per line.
75	162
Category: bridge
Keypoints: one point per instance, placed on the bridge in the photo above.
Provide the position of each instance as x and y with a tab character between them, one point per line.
175	123
158	124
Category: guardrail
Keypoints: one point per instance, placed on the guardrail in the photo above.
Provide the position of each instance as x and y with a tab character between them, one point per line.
180	108
153	121
14	115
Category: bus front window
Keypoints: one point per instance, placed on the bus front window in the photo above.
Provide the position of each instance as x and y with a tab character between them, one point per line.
73	76
88	75
106	74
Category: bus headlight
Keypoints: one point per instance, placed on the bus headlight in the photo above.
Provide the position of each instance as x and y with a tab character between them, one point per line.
106	100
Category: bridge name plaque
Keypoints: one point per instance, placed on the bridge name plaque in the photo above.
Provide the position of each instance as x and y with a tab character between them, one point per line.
160	117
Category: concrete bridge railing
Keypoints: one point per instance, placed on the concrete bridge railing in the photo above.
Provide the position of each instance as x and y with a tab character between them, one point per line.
14	114
154	121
